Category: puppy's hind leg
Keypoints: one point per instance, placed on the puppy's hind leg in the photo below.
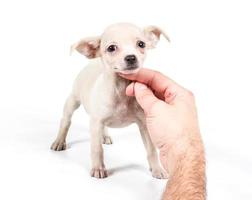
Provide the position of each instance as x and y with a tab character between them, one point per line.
70	106
152	155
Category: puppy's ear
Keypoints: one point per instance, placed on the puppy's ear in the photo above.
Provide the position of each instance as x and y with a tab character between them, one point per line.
152	34
89	47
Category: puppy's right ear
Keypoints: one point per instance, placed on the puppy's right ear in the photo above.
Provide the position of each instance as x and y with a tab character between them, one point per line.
89	47
152	34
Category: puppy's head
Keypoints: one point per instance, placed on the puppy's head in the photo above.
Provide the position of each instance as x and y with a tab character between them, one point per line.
122	47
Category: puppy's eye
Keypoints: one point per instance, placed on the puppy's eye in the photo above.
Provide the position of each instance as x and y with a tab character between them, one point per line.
112	48
141	44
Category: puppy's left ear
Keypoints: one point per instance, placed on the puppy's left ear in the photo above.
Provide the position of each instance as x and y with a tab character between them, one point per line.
89	47
152	34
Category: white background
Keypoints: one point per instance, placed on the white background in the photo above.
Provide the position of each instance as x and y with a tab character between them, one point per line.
210	54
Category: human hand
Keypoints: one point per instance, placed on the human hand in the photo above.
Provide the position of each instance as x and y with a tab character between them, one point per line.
170	111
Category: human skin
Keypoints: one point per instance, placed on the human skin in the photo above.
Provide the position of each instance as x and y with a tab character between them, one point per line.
172	122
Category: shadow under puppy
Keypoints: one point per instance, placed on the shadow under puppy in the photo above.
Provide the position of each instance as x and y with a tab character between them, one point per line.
120	49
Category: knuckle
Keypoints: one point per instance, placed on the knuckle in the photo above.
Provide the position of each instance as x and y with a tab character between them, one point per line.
157	73
190	94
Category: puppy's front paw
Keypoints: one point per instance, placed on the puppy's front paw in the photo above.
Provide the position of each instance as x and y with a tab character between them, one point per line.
107	140
159	173
58	145
99	173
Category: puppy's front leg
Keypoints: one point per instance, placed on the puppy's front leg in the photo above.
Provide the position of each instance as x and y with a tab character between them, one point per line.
106	138
98	168
152	155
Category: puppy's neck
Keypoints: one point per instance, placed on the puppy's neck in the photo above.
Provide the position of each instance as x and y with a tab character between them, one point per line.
121	84
117	83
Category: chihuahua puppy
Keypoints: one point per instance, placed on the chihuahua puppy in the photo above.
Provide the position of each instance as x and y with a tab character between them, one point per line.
120	49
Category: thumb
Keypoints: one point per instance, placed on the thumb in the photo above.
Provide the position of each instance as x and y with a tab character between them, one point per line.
144	96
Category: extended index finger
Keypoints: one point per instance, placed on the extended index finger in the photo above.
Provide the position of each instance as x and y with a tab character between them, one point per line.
155	80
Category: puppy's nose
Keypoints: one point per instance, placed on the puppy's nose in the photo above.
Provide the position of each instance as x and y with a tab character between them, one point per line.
130	59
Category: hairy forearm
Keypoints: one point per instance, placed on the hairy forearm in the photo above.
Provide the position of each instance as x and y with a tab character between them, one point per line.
187	175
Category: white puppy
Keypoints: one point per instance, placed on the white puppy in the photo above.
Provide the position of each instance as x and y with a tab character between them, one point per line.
121	48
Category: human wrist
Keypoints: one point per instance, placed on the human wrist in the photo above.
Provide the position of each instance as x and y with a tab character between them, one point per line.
187	175
186	146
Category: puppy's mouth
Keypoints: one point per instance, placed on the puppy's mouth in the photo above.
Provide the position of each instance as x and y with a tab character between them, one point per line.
130	70
131	67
